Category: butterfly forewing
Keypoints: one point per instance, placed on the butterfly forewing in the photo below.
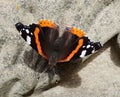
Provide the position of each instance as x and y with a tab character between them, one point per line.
27	32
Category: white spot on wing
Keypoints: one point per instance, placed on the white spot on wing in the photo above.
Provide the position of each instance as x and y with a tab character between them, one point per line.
31	33
83	53
28	39
23	29
83	46
88	46
27	31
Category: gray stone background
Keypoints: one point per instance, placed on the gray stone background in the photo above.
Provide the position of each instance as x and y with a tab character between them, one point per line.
98	76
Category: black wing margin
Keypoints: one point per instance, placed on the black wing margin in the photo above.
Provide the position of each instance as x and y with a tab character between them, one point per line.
27	33
88	48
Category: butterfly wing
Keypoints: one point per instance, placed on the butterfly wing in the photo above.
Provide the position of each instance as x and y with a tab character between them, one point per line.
72	43
27	33
48	35
39	36
87	48
76	45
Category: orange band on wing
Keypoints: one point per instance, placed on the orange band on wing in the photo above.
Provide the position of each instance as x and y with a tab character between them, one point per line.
46	23
77	32
80	43
36	32
80	34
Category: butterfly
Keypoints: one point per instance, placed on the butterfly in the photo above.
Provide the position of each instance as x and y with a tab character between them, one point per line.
44	38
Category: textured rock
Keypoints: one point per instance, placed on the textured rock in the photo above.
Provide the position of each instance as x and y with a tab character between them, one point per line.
118	43
100	19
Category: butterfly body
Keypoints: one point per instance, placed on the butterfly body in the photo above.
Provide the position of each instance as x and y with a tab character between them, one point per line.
44	38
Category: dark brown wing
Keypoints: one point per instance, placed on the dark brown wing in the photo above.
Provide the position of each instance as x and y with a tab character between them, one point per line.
72	42
40	36
76	45
47	36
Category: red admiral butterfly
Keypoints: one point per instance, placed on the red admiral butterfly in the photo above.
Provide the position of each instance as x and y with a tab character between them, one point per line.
44	38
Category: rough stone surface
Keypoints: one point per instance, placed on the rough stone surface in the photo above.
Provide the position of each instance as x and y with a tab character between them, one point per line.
118	43
99	76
